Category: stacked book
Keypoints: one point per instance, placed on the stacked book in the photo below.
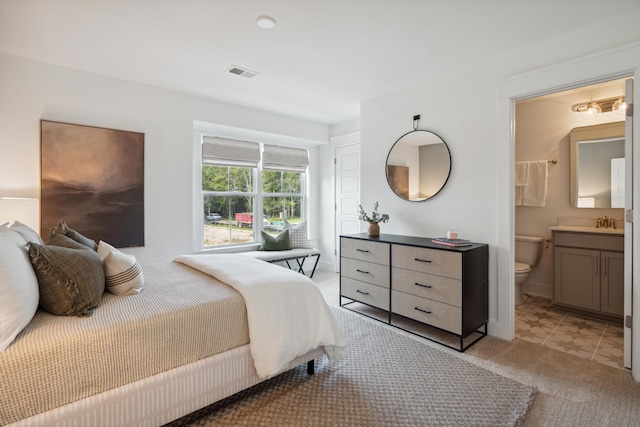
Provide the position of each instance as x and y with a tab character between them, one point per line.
456	243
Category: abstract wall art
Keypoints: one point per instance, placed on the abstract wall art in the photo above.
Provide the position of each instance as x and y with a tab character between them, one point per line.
93	179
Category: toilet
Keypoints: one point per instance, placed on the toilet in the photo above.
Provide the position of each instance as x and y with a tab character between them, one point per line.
528	251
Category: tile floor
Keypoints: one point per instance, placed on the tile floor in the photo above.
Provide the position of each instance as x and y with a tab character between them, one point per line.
598	340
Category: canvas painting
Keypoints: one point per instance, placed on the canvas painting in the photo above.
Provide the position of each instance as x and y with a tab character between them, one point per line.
93	179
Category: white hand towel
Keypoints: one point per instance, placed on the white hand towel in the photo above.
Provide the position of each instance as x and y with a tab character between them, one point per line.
521	178
522	173
535	192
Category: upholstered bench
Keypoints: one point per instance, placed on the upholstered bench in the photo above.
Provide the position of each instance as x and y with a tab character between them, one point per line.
298	254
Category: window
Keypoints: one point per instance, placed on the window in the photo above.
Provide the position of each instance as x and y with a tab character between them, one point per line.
282	185
239	185
282	198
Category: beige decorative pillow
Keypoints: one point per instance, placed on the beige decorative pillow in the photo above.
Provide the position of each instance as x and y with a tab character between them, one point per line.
298	234
123	275
71	281
18	287
63	229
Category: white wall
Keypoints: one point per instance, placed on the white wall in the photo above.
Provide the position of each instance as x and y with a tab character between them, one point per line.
31	90
467	202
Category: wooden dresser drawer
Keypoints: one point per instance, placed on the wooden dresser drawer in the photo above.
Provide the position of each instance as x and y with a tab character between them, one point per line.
434	313
425	260
367	293
365	250
439	288
369	272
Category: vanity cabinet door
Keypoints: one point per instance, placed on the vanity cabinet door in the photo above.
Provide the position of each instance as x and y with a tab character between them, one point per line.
576	277
612	283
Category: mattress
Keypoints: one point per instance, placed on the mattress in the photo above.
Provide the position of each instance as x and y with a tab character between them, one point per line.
180	317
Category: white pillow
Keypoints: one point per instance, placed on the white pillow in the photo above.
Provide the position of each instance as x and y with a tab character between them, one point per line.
28	233
122	272
297	234
19	294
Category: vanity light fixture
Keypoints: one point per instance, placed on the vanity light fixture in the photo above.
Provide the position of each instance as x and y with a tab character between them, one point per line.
620	106
265	22
588	111
593	108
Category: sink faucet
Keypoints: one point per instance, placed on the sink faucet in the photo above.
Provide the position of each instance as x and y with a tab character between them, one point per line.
602	222
606	222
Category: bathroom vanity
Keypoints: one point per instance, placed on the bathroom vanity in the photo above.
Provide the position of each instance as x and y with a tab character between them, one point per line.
588	270
435	291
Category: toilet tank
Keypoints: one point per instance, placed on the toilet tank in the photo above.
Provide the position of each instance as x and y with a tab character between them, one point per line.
528	249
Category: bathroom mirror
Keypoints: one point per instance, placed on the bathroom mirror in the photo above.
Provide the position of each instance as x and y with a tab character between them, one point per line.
418	165
597	166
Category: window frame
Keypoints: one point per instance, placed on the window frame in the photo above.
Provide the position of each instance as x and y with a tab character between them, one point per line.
302	195
199	195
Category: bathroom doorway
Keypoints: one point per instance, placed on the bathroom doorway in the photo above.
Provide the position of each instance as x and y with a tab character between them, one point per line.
542	133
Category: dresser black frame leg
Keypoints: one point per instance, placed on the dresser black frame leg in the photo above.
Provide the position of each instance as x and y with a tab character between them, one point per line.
311	367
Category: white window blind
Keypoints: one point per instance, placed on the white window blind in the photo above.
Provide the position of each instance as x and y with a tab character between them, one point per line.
284	158
227	152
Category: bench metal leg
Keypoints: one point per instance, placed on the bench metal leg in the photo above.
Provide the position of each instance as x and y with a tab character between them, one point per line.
315	265
301	263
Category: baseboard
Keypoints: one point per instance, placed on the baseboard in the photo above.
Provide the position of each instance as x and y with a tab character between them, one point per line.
326	265
543	290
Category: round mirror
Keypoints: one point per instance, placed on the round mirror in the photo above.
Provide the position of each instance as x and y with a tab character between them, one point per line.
418	165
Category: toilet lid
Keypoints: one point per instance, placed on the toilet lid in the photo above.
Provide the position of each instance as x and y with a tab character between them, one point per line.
522	268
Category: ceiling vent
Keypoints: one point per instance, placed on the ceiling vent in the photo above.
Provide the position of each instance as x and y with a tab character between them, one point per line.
238	71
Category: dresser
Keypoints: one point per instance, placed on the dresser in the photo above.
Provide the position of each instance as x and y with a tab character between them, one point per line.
432	290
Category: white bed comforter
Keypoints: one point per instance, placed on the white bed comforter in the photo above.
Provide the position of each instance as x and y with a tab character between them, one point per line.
286	312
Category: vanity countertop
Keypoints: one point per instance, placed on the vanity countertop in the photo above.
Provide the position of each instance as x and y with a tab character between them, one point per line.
577	229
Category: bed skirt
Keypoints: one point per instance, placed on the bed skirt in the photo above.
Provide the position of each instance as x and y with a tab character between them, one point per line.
164	397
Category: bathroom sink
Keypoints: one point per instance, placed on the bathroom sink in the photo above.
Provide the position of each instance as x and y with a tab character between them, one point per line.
587	229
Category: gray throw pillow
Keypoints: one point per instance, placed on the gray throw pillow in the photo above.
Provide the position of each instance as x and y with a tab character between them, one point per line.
71	281
65	242
275	243
63	229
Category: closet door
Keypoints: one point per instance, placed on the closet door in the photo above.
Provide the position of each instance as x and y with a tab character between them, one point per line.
347	193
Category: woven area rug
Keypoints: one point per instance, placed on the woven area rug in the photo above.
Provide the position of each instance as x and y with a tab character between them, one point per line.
387	379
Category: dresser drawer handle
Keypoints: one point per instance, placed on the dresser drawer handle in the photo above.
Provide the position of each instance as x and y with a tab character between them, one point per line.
424	311
422	260
362	250
362	292
361	271
423	286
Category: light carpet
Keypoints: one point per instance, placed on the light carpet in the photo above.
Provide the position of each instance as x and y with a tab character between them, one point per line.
387	379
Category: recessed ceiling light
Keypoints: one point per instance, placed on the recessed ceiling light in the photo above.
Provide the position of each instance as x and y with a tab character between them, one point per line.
266	22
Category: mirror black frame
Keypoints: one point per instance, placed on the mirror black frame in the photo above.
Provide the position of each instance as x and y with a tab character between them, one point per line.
443	183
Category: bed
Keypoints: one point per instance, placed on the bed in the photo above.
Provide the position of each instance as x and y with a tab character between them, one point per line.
188	339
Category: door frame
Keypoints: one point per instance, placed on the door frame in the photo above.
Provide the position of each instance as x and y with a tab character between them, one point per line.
622	62
351	138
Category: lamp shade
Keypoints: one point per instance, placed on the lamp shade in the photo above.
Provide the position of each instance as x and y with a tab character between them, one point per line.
21	209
